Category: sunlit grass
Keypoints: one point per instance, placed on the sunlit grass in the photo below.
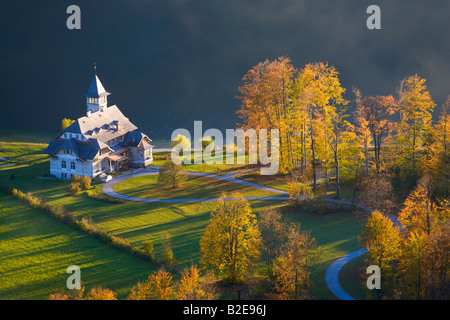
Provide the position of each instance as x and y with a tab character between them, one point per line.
138	222
193	188
35	251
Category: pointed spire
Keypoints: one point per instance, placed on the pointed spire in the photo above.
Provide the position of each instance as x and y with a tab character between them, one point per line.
96	89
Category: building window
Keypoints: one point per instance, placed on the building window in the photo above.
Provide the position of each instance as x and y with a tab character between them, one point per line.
72	165
63	164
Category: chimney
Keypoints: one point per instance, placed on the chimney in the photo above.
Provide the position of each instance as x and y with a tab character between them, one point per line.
89	114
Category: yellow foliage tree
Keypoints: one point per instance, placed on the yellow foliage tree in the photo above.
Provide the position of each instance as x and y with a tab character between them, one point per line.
65	123
158	286
292	268
231	242
99	293
383	243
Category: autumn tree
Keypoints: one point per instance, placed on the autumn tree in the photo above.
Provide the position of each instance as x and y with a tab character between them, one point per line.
378	194
232	241
362	128
440	158
158	286
58	296
273	234
412	264
65	123
383	243
100	293
171	174
167	256
189	285
420	213
342	142
375	113
275	95
300	192
85	182
192	288
327	93
292	268
437	263
266	104
96	293
74	188
415	110
424	265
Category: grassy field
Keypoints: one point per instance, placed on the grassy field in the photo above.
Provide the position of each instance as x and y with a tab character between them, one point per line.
138	222
193	188
196	165
35	251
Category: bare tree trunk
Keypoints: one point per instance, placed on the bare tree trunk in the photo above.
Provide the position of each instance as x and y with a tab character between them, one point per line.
336	161
355	182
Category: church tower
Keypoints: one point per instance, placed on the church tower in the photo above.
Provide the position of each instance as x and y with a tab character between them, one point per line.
96	97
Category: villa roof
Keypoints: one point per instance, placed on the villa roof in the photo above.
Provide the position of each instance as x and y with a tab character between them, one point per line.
134	139
83	149
103	125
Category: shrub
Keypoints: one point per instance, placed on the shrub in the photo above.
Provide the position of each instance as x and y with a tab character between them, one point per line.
74	188
148	249
161	156
99	293
171	174
299	193
85	182
167	257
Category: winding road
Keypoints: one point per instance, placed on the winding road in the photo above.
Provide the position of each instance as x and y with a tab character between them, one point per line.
332	273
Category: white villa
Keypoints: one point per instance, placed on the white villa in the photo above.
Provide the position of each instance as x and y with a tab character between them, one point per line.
102	142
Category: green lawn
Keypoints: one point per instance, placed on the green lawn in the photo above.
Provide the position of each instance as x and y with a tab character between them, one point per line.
218	168
335	231
276	182
193	188
35	251
138	222
19	153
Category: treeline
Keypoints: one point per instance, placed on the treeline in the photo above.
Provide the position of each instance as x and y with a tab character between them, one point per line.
384	136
